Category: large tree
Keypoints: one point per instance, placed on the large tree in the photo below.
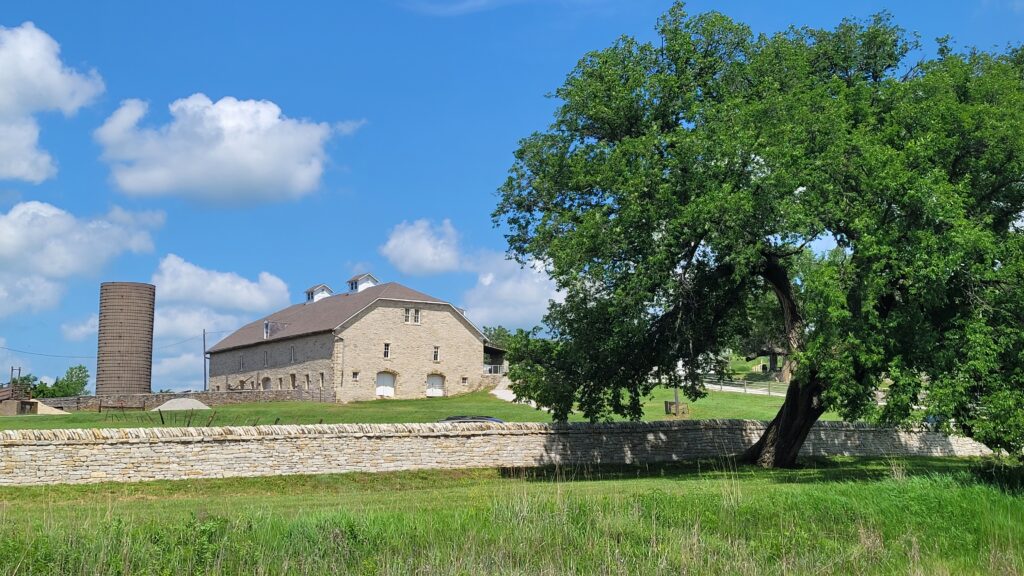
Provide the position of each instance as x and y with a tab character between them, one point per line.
869	193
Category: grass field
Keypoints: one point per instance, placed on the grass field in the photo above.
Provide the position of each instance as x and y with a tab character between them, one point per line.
864	516
715	405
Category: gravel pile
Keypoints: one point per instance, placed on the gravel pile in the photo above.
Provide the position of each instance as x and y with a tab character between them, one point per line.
181	404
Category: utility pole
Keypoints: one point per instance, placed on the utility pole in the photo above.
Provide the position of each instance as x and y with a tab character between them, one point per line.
205	387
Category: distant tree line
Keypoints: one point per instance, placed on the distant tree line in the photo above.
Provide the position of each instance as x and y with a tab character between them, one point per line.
73	383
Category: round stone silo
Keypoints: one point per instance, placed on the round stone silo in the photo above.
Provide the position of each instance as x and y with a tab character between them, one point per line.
124	358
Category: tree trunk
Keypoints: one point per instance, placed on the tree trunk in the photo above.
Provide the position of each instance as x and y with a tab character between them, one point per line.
780	444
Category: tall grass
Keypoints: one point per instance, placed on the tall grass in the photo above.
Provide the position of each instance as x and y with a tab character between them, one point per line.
845	517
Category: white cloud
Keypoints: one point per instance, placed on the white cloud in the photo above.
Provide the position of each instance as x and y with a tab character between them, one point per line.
179	281
27	293
40	245
181	372
350	127
175	364
229	150
507	294
418	248
81	330
191	299
189	321
33	79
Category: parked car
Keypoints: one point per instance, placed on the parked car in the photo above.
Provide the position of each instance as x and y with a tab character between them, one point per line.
490	419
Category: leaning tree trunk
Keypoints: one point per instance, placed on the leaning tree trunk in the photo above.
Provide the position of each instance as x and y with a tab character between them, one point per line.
780	444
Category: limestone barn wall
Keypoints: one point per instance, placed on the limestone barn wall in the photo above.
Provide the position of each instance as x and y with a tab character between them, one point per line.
209	398
139	454
280	361
361	349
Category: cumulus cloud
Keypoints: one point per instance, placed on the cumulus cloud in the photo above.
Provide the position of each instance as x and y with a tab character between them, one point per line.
179	372
81	330
180	281
508	294
41	245
419	248
32	80
183	321
229	150
191	299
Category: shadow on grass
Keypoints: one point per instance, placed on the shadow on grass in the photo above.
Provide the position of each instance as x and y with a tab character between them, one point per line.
1005	475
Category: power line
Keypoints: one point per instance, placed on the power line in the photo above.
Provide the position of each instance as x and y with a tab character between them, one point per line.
41	354
176	343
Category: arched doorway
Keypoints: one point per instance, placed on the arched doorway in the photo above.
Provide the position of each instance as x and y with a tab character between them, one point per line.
266	383
385	384
435	385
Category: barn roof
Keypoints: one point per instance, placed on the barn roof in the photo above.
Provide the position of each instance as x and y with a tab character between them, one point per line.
323	315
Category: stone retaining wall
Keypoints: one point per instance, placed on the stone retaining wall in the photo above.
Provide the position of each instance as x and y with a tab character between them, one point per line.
150	401
137	454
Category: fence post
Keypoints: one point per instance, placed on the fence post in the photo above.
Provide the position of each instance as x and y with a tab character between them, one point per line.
744	386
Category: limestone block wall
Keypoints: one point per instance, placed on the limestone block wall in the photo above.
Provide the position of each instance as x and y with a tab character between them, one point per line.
209	398
130	455
411	349
288	364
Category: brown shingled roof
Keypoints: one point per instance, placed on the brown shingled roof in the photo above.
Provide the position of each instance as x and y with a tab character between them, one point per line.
321	316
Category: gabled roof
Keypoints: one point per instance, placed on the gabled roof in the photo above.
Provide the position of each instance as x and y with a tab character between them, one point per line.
359	277
323	315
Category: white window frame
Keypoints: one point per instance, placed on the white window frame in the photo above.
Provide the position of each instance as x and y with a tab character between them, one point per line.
387	350
411	315
355	375
437	353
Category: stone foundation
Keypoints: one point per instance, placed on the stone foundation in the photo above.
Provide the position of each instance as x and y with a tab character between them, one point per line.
138	454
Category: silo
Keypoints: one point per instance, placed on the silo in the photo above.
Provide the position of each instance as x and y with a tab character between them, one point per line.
124	359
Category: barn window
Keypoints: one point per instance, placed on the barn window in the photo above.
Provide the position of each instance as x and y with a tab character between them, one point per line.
412	315
387	350
437	353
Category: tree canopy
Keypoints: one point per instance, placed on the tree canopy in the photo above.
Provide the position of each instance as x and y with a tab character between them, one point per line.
859	198
73	383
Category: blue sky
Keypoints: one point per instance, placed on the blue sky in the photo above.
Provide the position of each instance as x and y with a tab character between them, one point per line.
236	153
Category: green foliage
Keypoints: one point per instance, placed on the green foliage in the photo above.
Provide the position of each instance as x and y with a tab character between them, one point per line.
73	383
676	194
498	335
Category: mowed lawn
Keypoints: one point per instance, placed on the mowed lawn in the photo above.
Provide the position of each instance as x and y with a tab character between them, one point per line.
715	405
833	517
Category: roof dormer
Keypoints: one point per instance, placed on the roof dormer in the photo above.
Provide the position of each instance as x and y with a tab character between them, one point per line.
318	292
361	282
